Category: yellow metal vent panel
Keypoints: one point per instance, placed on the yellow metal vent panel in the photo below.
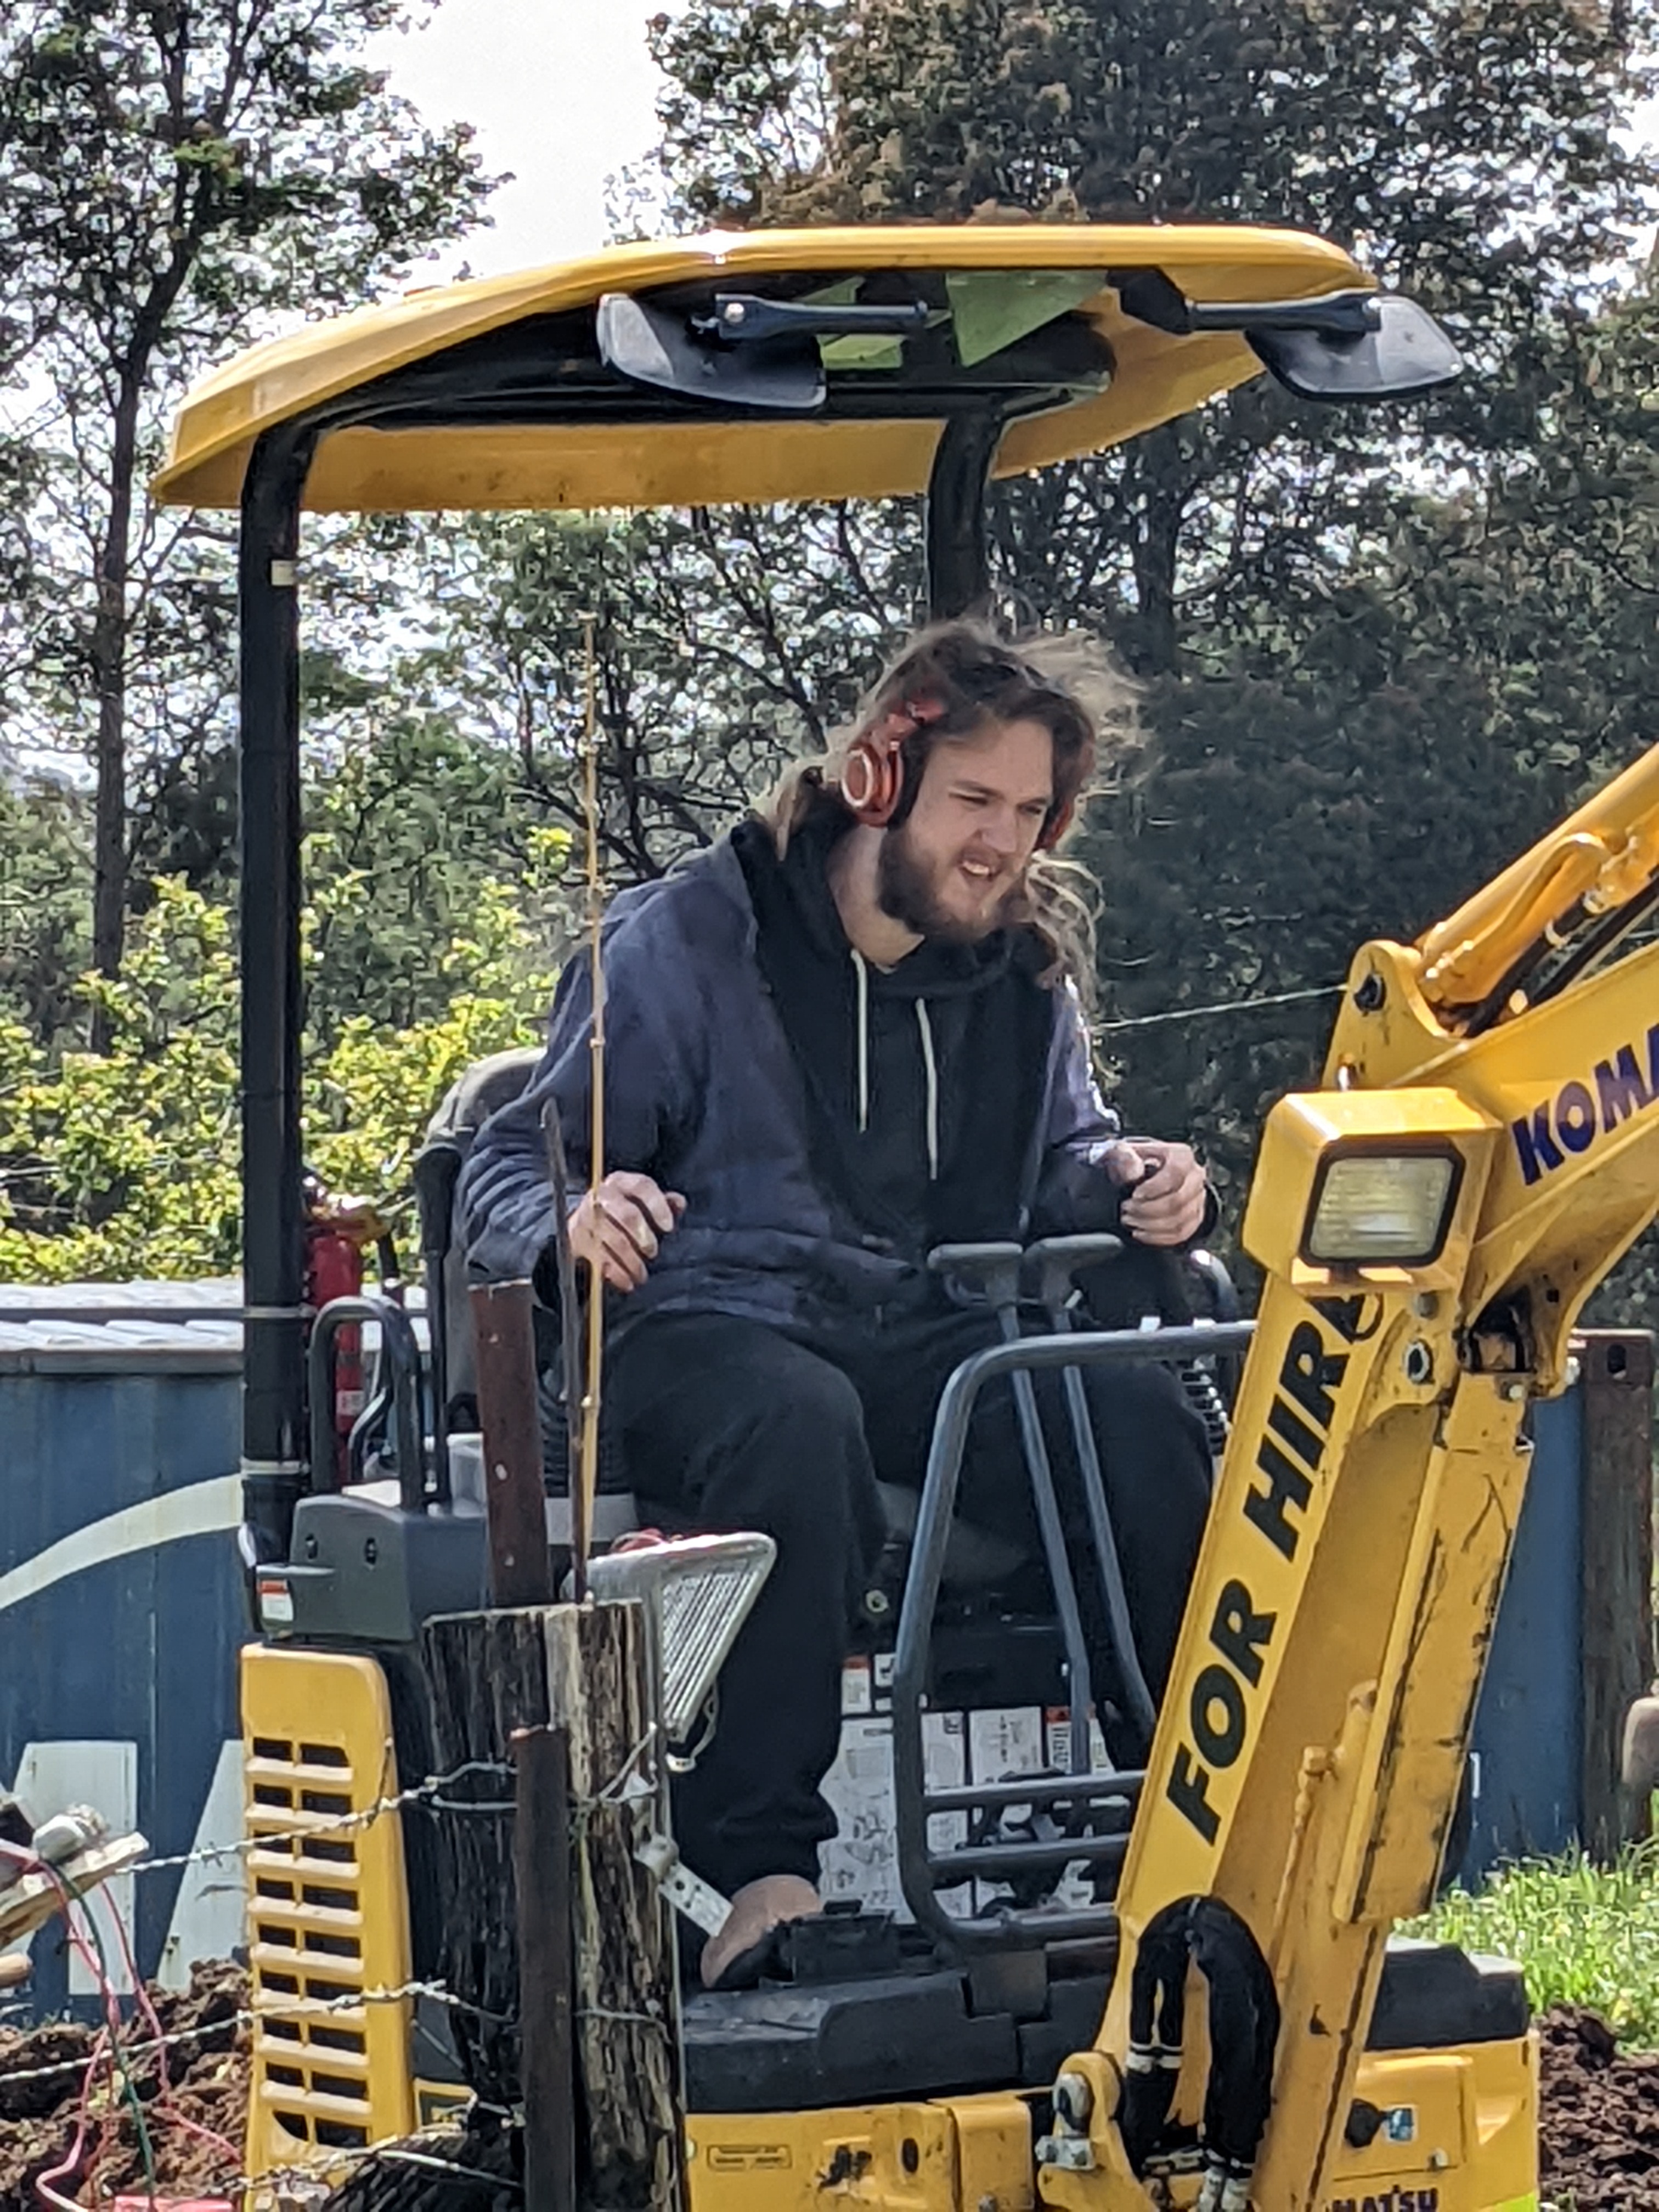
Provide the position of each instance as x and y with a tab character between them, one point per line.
328	1908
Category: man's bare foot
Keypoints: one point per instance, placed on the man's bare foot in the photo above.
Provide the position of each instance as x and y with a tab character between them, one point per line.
757	1909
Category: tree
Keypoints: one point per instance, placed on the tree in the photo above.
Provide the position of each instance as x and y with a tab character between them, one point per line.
1460	688
123	1163
46	881
407	827
173	174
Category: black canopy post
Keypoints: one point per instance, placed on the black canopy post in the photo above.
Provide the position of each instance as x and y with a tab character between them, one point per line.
273	1329
959	556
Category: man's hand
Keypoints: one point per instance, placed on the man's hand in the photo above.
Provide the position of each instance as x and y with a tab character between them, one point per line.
1167	1190
617	1227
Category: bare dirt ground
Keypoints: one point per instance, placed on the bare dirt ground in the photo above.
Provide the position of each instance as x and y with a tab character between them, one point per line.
1600	2147
194	2119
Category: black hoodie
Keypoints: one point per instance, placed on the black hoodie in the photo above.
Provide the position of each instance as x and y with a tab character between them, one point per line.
923	1081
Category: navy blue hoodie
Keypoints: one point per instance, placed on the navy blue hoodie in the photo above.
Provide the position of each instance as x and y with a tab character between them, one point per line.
980	1113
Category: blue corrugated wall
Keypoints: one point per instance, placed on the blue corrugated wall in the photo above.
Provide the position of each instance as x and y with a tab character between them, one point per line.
1529	1725
141	1647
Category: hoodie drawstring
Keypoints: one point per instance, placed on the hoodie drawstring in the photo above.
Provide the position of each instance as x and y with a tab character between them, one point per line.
931	1066
863	974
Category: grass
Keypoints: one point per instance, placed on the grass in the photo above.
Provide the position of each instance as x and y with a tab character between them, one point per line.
1582	1934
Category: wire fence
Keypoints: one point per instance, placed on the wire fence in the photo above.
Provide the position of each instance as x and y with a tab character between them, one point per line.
430	1791
1222	1006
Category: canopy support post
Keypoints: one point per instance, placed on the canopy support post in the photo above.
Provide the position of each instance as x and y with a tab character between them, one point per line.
274	1472
959	556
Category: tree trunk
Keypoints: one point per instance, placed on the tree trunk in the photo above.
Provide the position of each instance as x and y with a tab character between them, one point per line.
109	656
1161	501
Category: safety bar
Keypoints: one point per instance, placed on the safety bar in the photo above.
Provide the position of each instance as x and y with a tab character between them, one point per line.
923	1871
401	1356
1039	1789
996	1860
1056	1262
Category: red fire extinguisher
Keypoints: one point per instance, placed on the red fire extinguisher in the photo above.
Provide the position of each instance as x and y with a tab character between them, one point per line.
337	1232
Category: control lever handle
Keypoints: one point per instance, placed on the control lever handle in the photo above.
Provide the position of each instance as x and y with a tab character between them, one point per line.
1052	1266
992	1269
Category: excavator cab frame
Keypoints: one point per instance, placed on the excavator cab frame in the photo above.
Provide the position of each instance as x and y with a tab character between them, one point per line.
1483	1146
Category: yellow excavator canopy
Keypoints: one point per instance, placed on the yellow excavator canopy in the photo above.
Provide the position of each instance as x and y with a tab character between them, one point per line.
525	413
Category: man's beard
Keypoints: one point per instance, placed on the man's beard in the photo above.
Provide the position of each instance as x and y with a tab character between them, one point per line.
906	889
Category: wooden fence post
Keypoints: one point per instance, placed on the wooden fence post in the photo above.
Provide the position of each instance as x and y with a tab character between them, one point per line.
600	1692
503	1328
586	1672
541	1873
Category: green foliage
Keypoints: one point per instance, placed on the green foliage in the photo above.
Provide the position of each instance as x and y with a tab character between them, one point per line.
1583	1935
124	1164
1383	649
408	829
45	896
1432	141
724	644
1358	765
371	1088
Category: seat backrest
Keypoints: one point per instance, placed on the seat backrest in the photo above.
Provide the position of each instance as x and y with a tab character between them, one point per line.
476	1093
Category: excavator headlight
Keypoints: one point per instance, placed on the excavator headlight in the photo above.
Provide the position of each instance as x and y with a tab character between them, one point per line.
1384	1186
1383	1205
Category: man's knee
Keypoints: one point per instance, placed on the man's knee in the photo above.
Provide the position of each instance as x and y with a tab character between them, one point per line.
794	1462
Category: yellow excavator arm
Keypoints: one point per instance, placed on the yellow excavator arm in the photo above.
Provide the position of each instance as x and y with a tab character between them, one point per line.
1485	1146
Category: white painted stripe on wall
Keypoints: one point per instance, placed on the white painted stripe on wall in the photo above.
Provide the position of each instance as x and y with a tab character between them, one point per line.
210	1913
202	1508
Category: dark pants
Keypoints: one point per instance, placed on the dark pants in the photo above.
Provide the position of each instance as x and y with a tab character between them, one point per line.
731	1424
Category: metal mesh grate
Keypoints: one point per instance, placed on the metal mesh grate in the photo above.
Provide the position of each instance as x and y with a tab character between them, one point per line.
702	1588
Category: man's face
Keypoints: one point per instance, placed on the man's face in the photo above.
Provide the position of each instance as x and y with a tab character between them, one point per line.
958	863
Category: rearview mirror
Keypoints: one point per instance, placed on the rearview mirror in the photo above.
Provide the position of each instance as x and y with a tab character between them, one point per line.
1405	352
648	344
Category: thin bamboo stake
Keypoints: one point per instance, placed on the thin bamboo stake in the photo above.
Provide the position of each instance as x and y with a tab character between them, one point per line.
585	1486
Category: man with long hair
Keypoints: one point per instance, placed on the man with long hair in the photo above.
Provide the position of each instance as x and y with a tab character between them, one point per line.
851	1031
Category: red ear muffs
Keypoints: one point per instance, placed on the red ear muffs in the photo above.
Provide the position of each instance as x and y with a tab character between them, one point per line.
872	782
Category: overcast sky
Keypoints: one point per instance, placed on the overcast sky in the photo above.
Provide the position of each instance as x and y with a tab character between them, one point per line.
561	92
